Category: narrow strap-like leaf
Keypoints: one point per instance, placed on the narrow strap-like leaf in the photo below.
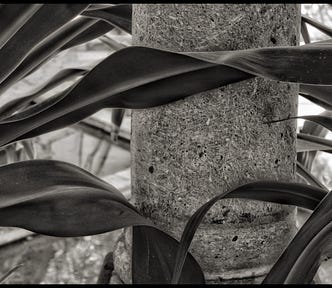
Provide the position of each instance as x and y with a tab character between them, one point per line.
13	17
306	196
303	172
305	33
45	21
22	102
290	264
307	142
143	77
47	48
118	15
96	30
318	94
321	27
325	121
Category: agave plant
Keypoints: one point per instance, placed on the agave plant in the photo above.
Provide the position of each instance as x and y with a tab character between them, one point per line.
52	197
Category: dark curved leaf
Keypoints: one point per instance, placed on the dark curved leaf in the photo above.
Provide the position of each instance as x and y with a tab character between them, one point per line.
154	258
278	192
59	199
318	94
326	30
45	21
13	17
22	102
118	15
300	260
45	49
145	77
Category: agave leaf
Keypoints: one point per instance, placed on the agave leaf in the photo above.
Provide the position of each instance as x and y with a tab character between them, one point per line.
326	30
13	17
278	192
318	94
299	261
118	15
145	77
325	121
22	102
304	173
47	48
45	21
154	258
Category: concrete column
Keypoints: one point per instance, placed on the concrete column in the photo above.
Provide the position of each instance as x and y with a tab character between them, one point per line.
186	152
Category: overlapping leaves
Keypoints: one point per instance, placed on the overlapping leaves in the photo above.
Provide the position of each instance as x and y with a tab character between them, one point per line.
145	77
59	199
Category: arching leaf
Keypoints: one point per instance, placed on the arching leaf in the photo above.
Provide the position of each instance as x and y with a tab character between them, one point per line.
278	192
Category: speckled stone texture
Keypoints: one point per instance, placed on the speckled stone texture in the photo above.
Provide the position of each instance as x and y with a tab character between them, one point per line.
185	153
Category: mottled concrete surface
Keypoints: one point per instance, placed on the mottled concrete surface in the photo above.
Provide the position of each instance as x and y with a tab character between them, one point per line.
185	153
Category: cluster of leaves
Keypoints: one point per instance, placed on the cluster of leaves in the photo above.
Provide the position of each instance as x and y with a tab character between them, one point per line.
52	197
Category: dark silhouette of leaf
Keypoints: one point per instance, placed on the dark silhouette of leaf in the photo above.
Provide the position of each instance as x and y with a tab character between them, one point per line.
145	77
45	21
118	15
300	260
304	173
303	195
318	94
13	17
326	30
22	102
45	49
59	199
154	258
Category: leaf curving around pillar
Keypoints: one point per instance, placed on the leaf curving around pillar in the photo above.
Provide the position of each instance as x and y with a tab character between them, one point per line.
144	77
302	195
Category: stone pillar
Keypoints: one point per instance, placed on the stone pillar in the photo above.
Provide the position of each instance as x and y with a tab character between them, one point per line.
185	153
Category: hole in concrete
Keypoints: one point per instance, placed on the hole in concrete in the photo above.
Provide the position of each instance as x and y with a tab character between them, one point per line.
234	238
273	40
282	135
277	160
151	169
200	154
